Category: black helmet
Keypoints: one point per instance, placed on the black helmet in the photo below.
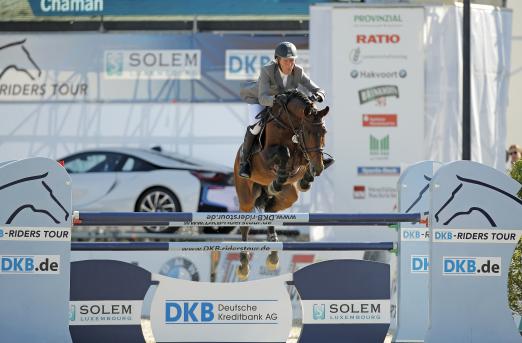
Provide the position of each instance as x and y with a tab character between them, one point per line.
286	50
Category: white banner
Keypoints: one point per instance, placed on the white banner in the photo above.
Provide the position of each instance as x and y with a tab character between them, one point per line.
375	87
185	311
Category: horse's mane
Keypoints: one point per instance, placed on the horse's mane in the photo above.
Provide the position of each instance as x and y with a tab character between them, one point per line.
295	93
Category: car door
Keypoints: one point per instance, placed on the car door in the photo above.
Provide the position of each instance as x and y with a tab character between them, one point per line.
93	177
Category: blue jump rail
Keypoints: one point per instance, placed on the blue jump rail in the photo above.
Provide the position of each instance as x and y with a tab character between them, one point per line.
232	246
238	218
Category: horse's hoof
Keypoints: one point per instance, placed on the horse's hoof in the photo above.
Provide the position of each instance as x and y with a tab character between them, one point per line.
272	263
271	190
243	272
244	258
303	187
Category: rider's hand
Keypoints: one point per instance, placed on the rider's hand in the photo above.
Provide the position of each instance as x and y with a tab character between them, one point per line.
317	97
281	99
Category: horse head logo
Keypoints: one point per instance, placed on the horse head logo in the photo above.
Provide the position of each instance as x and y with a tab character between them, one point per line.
16	56
491	205
29	196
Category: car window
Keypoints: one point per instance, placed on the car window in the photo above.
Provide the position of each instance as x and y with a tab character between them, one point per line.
93	163
136	164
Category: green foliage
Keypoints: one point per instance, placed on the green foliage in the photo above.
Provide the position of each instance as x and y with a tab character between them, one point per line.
516	173
515	269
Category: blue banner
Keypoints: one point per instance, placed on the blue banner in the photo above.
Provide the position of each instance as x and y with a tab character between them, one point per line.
137	67
169	7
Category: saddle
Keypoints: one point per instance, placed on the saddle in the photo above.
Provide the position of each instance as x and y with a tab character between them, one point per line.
263	117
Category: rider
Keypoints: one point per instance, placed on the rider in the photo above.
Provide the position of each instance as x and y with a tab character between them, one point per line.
277	76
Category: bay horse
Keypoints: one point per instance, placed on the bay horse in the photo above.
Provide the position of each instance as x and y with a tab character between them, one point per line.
289	157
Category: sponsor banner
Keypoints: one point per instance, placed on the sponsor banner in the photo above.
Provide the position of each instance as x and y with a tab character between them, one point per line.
474	266
378	66
105	312
29	264
185	311
346	311
371	74
152	64
412	234
476	236
35	234
145	67
378	93
243	219
419	264
378	171
379	120
167	8
226	246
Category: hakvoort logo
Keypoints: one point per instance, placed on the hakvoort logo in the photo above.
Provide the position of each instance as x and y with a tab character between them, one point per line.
368	74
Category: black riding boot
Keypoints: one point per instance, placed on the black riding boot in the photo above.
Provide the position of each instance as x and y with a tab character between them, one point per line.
328	161
244	156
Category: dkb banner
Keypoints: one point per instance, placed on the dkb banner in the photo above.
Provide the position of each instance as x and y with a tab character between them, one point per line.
200	67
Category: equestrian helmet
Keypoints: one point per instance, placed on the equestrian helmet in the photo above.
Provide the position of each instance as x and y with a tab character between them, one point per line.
286	50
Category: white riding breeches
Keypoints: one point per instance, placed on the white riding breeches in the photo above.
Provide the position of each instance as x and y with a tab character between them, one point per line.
253	111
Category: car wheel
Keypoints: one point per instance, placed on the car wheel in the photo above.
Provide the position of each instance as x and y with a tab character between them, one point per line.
158	199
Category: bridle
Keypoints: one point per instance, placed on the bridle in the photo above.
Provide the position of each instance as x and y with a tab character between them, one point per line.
298	130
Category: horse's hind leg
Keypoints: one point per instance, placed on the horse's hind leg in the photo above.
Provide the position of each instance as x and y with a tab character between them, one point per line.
272	260
243	270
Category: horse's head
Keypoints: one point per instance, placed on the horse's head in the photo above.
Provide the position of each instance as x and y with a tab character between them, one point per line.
310	130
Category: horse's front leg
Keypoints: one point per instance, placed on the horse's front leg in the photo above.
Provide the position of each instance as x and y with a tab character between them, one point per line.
278	155
272	260
305	183
244	257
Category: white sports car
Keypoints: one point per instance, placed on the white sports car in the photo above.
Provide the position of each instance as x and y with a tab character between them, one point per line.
132	179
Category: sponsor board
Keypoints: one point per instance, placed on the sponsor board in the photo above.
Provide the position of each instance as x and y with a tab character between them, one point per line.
30	264
382	19
379	147
246	64
105	312
379	120
186	311
372	192
412	234
378	171
369	74
359	55
476	236
34	234
152	64
380	38
419	264
374	93
474	266
346	311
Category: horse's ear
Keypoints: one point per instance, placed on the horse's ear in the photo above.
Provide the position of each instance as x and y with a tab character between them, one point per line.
323	112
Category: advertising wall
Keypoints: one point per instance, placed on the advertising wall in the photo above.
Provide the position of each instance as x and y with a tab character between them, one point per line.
376	86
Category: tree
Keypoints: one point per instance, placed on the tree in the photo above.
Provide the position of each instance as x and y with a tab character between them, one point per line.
515	269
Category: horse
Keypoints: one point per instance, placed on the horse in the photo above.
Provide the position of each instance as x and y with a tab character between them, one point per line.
287	161
31	195
489	205
15	56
